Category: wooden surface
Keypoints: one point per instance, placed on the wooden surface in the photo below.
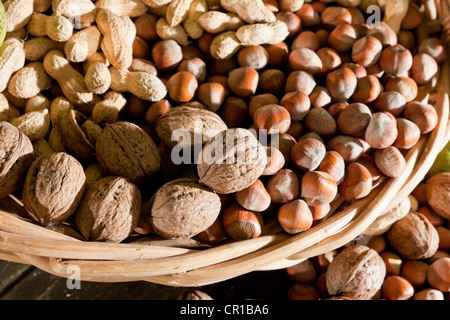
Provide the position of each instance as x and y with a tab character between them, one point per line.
24	282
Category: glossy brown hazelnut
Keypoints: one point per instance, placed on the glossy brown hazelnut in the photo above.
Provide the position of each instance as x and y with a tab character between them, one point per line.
390	101
393	263
297	103
424	68
320	212
369	162
318	188
396	60
295	216
303	272
222	79
300	81
377	243
141	48
408	134
242	224
375	70
284	186
156	110
182	86
308	153
383	32
350	148
261	100
273	118
406	86
167	54
295	129
444	238
254	198
272	81
322	35
390	161
233	111
330	60
214	235
357	183
397	288
272	5
305	59
278	54
211	95
415	271
243	81
204	43
333	15
196	66
343	37
146	27
433	46
336	108
359	70
428	294
320	97
306	39
381	131
407	39
308	16
275	161
423	115
354	119
320	121
293	22
255	57
368	89
435	219
284	144
334	165
413	18
341	83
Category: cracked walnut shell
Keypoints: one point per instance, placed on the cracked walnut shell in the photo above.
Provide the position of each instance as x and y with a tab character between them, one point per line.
232	161
183	208
53	188
110	210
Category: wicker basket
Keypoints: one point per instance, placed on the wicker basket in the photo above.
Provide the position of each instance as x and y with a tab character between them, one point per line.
176	264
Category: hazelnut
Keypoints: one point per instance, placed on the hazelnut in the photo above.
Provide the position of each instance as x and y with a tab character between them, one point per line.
375	70
393	263
300	81
396	60
242	224
408	134
390	101
302	291
407	39
424	68
438	275
146	27
330	58
415	271
332	16
354	119
305	59
297	103
306	39
284	186
420	193
366	51
343	37
320	212
308	153
413	19
167	54
377	243
196	66
357	272
435	219
319	120
435	48
390	161
423	115
369	162
413	237
214	234
273	118
278	54
397	288
255	57
303	272
223	66
322	36
275	161
407	87
243	81
320	97
359	70
350	148
233	111
318	188
357	183
254	198
285	144
437	193
336	108
296	129
272	81
334	165
211	95
308	16
157	110
261	100
368	89
428	294
341	83
293	22
384	33
182	86
381	131
295	216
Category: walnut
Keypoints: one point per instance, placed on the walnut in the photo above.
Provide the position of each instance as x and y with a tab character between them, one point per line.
357	272
53	188
200	124
16	156
438	194
124	149
414	237
183	208
74	138
110	210
232	161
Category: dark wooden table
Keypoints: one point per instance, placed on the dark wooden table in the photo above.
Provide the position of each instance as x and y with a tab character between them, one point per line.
25	282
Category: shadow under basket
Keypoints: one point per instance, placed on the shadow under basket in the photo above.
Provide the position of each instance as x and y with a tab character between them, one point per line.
56	252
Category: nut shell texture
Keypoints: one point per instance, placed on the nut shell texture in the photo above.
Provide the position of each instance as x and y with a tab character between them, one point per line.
53	188
124	149
183	208
110	210
232	161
